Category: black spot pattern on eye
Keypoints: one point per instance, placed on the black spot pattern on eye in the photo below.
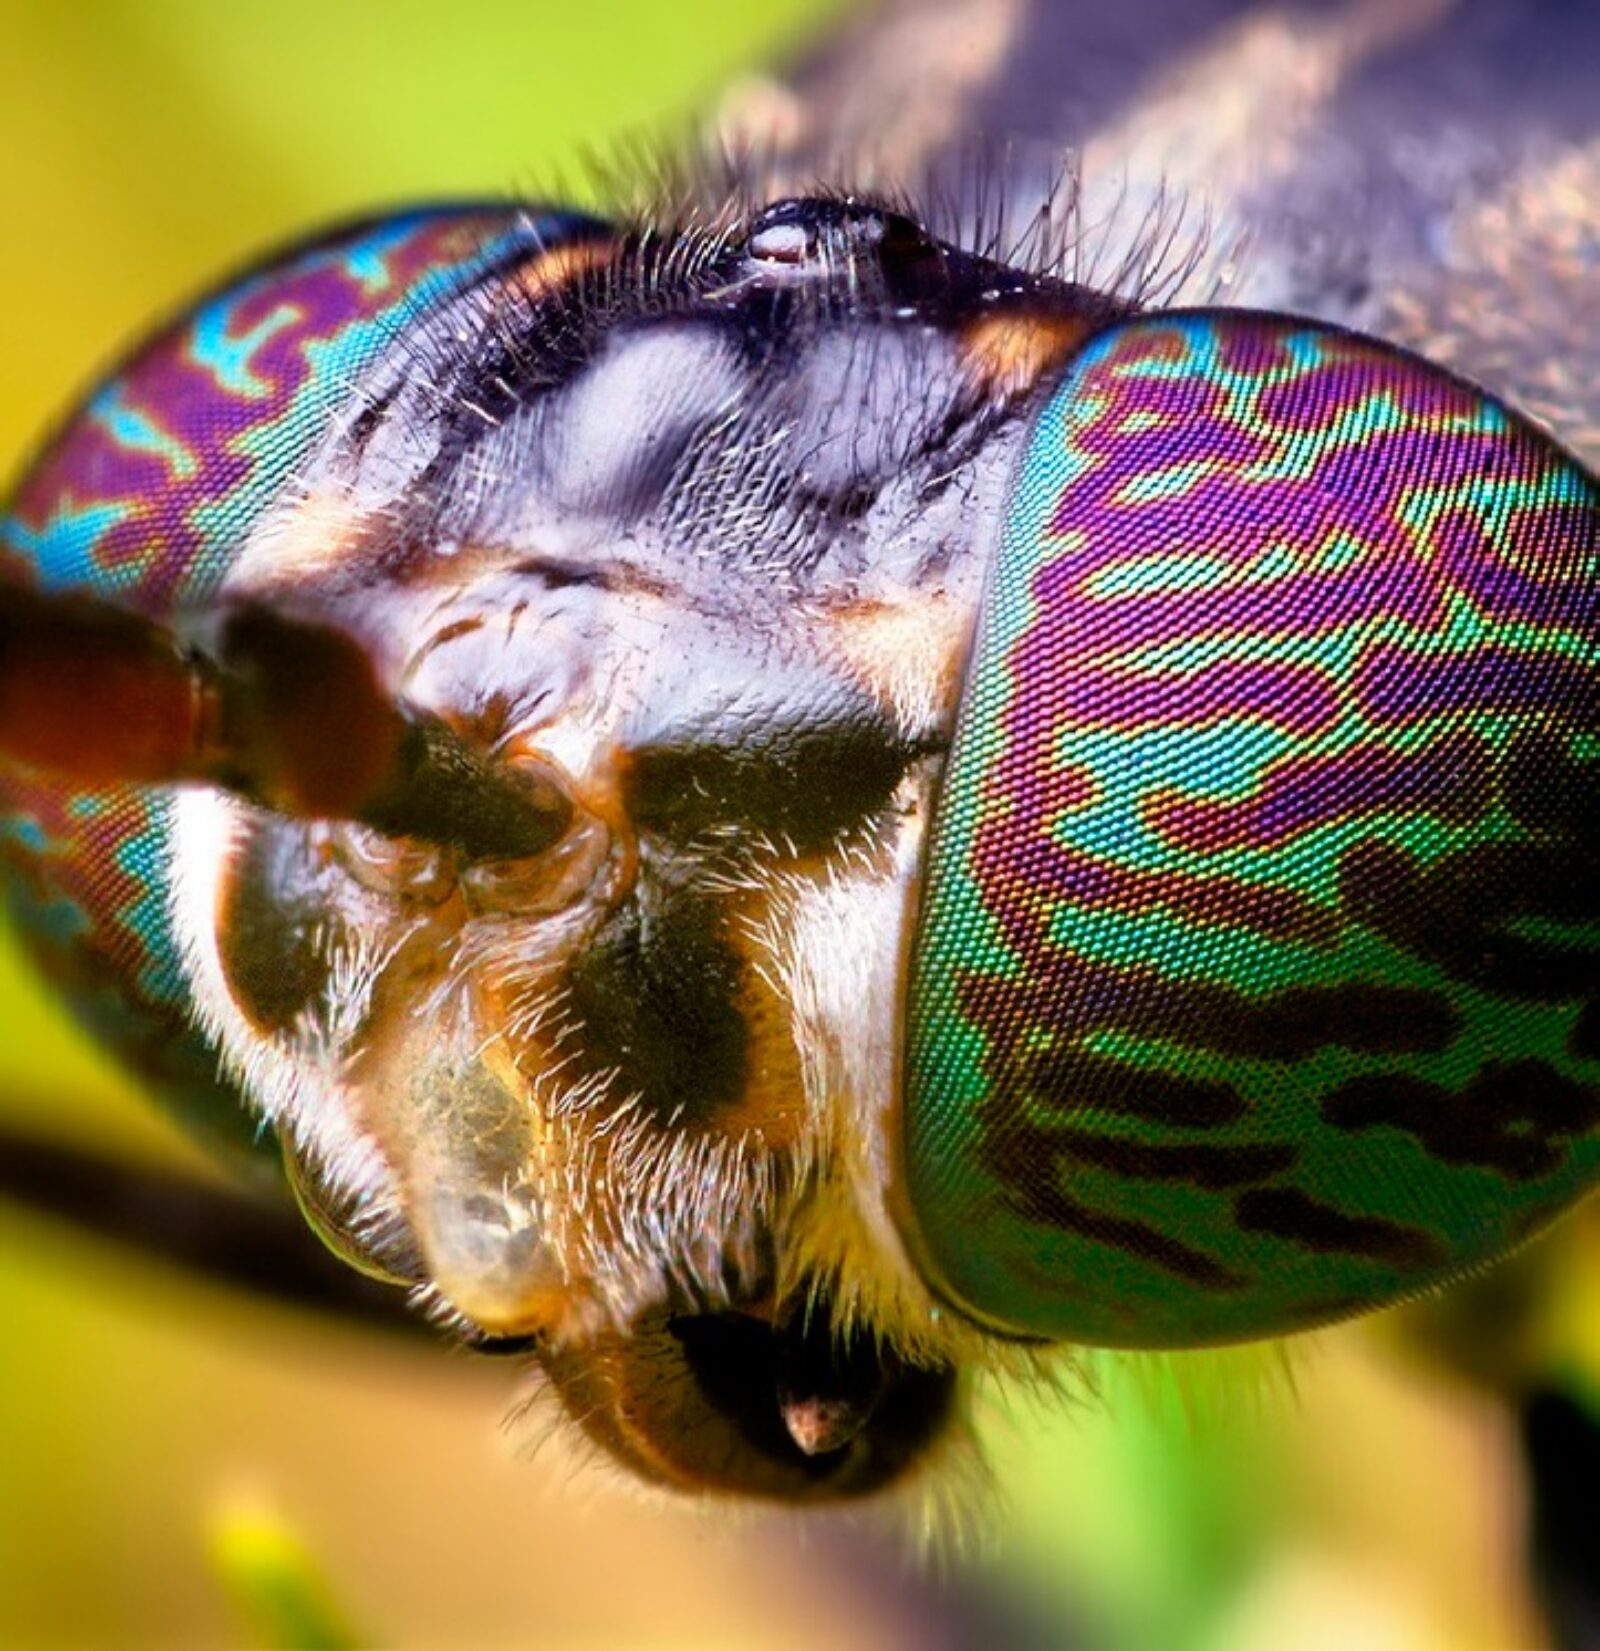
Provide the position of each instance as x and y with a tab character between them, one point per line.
1064	1079
1461	911
1585	1040
1282	1026
1289	1213
657	995
1518	1118
1195	1163
1550	791
1015	1160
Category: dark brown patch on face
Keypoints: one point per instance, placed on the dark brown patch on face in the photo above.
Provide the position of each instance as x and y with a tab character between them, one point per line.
1288	1213
272	928
658	996
1516	1117
804	784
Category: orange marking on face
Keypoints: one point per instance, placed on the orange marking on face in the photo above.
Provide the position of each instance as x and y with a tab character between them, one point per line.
1007	352
909	655
315	536
547	271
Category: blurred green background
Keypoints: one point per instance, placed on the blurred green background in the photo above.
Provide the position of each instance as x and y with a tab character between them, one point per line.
158	1440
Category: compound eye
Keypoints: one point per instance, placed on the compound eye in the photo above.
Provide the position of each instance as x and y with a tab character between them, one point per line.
246	388
1257	974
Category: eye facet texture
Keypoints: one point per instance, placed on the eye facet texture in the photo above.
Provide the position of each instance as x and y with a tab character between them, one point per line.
146	496
1257	975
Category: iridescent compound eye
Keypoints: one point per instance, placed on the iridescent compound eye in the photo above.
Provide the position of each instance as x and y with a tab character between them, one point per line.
1257	976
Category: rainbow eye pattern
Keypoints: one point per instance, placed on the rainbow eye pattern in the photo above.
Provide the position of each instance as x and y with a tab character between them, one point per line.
765	809
1257	981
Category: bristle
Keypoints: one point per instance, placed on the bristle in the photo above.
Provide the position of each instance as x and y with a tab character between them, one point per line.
691	198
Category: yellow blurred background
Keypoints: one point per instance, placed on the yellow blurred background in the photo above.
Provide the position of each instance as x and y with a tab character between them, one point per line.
1364	1501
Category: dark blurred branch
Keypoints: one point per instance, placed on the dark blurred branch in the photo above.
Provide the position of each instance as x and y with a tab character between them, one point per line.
1561	1446
218	1235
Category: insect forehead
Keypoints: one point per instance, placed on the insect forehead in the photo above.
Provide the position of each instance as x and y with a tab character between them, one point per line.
1257	979
790	413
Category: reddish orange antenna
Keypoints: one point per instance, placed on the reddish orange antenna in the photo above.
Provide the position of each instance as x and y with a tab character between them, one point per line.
287	714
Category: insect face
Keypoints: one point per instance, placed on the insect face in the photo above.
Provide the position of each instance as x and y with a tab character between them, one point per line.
670	996
677	536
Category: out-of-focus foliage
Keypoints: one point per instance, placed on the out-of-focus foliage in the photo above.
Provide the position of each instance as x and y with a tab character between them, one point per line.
276	1585
149	144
